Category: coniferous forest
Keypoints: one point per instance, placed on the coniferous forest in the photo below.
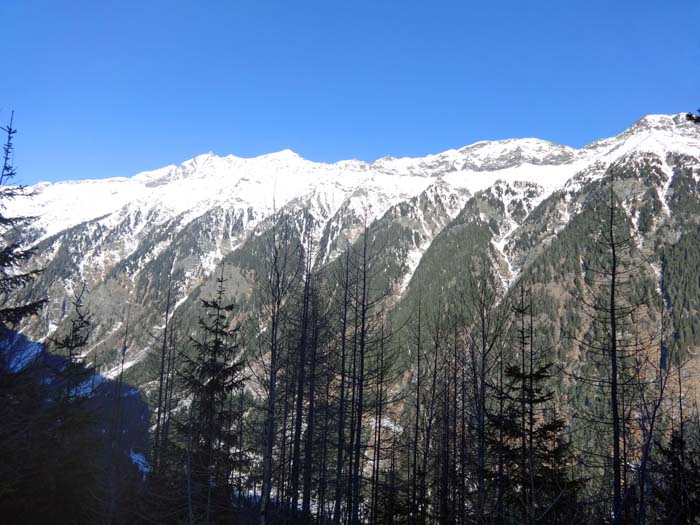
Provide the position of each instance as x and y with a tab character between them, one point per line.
323	402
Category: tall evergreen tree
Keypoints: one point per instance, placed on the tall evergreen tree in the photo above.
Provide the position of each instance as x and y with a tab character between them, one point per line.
14	255
675	496
48	438
537	454
211	377
72	346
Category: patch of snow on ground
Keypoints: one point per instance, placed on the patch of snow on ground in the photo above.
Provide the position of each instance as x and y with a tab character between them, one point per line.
140	461
20	358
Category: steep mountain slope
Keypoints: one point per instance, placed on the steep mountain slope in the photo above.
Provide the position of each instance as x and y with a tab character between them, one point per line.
508	204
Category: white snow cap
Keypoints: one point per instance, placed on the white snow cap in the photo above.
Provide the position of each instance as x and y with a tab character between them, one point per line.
276	179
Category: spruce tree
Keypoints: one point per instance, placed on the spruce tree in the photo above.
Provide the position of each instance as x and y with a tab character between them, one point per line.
72	346
22	394
535	449
676	493
14	255
211	378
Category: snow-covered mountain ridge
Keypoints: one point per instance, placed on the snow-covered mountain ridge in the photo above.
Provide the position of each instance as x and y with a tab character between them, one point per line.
124	236
272	180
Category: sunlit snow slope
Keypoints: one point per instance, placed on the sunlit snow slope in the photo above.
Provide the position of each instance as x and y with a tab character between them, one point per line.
123	236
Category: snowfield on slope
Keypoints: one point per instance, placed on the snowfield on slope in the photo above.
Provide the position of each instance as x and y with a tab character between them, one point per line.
271	181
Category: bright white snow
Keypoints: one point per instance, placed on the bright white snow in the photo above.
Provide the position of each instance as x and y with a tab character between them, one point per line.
271	181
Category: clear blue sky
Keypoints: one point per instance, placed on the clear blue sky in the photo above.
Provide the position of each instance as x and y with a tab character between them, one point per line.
109	88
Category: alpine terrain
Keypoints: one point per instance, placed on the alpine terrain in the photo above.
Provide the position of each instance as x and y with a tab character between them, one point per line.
514	200
506	332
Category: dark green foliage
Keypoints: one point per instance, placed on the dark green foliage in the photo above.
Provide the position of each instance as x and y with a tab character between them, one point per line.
71	346
536	455
212	379
681	264
13	256
676	493
48	449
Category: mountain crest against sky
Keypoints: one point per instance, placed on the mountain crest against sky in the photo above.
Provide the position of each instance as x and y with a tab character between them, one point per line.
208	179
360	262
518	192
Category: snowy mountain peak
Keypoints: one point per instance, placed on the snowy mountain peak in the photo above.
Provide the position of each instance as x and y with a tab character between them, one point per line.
501	154
128	232
285	155
677	122
275	179
659	134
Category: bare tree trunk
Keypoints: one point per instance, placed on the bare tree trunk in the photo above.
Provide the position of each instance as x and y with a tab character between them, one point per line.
445	450
486	326
481	426
169	386
378	432
531	413
190	510
463	448
301	371
614	406
269	434
279	281
414	473
161	379
241	448
501	440
353	403
430	418
520	310
323	481
283	481
650	415
356	474
455	431
310	420
341	402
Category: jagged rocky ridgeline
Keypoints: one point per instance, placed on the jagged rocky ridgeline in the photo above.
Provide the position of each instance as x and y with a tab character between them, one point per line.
519	201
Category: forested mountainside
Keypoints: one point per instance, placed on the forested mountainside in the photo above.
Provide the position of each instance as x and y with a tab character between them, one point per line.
124	237
502	333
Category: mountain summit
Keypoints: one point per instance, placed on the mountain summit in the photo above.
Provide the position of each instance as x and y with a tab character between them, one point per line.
123	236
